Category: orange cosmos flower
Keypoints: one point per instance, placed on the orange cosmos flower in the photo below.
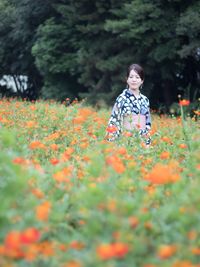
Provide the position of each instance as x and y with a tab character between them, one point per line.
77	245
197	112
30	235
67	154
36	144
111	129
114	250
192	235
122	151
120	249
127	134
133	221
37	192
13	240
116	163
119	167
196	251
73	264
54	161
31	124
166	139
79	120
54	147
163	174
19	161
183	264
46	248
165	155
183	146
42	211
166	251
184	102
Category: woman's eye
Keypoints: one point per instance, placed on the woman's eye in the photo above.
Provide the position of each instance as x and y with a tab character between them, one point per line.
137	77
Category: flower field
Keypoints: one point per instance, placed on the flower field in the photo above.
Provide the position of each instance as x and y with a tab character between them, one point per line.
69	198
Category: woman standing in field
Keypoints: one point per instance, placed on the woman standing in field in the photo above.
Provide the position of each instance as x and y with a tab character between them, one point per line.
131	109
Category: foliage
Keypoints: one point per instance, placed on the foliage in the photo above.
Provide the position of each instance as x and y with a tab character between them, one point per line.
71	198
71	49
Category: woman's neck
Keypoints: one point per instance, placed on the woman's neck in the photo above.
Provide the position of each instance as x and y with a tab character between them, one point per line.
135	92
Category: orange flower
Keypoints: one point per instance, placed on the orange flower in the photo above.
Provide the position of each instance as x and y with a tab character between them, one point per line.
122	151
197	112
19	161
13	244
54	147
78	120
31	252
183	146
184	102
119	167
165	155
196	251
36	144
133	221
42	211
111	129
163	174
166	251
73	264
37	192
127	134
166	139
30	235
67	153
114	250
31	124
13	240
46	248
120	249
105	252
54	161
116	163
77	245
192	235
183	264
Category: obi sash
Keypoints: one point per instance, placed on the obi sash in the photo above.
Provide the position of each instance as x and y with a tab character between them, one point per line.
133	121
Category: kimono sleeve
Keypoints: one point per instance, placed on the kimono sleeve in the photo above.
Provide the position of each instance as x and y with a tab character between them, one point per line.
145	133
114	128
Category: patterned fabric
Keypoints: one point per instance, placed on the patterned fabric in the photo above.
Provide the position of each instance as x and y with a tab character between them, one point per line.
125	105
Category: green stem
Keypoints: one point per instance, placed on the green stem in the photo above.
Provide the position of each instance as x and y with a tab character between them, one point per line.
184	129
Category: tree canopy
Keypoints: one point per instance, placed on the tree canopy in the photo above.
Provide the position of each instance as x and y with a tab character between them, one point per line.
83	48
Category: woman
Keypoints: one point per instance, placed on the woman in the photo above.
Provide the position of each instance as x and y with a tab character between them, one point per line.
131	110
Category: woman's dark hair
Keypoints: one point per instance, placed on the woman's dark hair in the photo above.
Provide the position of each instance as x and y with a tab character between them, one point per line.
138	69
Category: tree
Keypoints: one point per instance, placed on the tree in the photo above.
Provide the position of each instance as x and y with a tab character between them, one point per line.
20	20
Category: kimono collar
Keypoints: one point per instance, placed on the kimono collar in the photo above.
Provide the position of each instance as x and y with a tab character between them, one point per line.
129	93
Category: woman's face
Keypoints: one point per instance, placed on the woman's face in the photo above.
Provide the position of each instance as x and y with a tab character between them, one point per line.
134	81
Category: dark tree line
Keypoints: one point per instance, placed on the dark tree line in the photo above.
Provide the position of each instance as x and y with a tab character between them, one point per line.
82	48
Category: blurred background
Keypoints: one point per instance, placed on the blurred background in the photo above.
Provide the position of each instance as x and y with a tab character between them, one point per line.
58	49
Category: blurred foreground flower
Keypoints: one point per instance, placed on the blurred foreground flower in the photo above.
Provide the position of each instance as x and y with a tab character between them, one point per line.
114	250
163	174
111	129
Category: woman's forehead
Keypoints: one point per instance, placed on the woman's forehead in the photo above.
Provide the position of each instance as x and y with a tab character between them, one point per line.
133	72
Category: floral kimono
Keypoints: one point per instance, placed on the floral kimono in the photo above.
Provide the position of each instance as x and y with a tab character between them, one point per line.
130	112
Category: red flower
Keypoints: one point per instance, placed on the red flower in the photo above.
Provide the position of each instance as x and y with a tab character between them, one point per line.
111	129
184	102
30	235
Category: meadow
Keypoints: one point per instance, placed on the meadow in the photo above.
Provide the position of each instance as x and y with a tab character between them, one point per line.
70	198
